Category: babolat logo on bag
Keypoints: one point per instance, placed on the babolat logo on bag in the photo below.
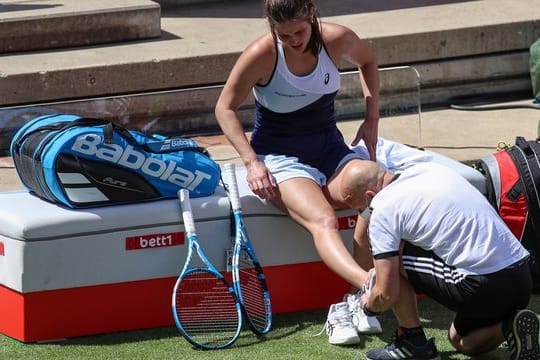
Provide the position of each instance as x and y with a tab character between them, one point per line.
163	169
82	162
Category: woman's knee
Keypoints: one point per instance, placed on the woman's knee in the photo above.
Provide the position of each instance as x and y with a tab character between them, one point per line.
324	220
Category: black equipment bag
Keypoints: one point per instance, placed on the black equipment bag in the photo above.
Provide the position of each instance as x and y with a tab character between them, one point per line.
513	188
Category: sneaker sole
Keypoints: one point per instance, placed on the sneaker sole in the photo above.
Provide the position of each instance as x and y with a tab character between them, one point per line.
525	329
364	327
370	331
435	358
351	341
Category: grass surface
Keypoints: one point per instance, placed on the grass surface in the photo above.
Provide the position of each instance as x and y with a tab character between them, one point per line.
292	337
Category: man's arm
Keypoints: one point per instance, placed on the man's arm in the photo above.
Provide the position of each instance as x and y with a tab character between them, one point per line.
385	292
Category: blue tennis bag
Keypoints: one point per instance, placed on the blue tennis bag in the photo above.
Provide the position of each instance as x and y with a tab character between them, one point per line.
86	162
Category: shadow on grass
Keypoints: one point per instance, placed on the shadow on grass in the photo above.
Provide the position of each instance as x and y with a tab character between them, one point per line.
291	332
117	338
284	326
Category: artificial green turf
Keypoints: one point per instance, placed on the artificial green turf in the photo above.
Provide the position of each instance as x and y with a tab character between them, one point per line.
292	337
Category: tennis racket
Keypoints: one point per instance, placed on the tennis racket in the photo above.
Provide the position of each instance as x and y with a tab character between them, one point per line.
205	307
248	277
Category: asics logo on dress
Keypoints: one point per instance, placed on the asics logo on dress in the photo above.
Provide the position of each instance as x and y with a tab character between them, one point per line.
92	145
326	78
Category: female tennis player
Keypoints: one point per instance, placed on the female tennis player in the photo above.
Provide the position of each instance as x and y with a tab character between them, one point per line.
296	155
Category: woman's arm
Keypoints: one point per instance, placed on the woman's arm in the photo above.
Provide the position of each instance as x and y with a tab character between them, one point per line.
253	66
345	45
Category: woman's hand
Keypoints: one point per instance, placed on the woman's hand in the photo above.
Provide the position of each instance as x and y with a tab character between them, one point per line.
260	180
368	131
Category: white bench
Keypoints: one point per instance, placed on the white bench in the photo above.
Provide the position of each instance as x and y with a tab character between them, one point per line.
66	273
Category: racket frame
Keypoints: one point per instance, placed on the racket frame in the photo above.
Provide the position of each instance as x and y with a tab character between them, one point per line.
192	249
242	242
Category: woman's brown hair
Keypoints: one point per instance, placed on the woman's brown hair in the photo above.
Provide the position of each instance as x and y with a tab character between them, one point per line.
279	11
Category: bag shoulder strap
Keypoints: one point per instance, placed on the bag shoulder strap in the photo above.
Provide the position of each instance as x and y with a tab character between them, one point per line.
59	126
483	166
526	156
155	144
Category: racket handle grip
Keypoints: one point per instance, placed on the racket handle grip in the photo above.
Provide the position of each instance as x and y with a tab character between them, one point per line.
230	175
187	215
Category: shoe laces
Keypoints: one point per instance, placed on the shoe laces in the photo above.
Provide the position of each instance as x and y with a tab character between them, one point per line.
353	300
340	318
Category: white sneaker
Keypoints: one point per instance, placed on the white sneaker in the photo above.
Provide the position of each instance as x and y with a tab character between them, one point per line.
339	325
364	324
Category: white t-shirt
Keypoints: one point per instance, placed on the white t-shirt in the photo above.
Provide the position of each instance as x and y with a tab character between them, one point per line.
434	208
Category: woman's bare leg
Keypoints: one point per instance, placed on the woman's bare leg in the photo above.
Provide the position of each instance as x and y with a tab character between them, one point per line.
306	203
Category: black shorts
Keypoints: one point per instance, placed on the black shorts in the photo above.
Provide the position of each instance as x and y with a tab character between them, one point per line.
478	300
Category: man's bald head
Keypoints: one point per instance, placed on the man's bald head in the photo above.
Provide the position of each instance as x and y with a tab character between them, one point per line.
358	176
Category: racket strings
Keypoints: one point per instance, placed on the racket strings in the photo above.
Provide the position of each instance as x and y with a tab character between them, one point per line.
207	309
253	290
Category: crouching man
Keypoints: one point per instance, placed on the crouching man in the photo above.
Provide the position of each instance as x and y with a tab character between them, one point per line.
431	232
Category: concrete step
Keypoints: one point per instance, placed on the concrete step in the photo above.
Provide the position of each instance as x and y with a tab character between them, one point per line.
49	24
448	48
